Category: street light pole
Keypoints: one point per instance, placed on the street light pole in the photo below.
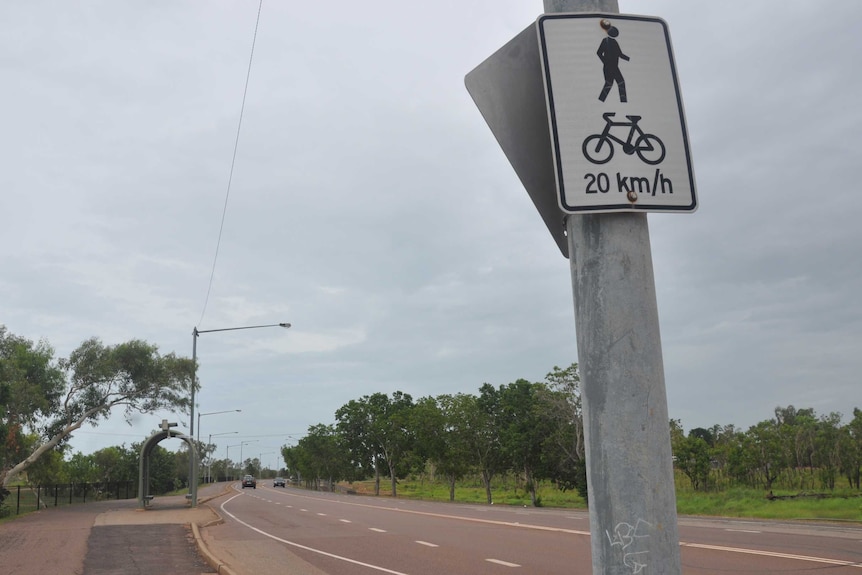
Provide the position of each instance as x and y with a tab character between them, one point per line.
209	442
260	458
193	476
227	456
240	451
198	439
212	413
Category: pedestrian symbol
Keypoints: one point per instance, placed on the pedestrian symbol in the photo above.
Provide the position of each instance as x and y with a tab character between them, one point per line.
609	53
616	120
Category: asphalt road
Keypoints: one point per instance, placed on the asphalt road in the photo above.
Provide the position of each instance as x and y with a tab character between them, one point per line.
274	530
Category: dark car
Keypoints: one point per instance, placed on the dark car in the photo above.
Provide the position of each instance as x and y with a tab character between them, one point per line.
249	481
278	482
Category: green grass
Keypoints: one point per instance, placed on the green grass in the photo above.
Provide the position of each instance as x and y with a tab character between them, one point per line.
840	506
747	503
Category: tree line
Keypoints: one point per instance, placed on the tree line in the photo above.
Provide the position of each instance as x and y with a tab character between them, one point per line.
795	449
168	470
533	430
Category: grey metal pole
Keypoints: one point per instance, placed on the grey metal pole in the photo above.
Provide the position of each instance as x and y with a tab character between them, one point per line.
209	457
632	502
193	463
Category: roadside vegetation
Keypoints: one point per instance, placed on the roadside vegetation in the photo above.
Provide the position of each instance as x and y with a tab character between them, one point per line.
520	443
840	505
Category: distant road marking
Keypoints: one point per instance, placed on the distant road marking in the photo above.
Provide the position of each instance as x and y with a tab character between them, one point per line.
377	530
322	514
306	510
345	520
503	563
426	544
774	554
446	516
743	531
578	532
305	547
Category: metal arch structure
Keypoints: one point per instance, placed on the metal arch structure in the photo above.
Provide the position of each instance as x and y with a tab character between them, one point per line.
144	460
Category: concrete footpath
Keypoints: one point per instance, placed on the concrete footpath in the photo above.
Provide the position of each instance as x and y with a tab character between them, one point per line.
114	537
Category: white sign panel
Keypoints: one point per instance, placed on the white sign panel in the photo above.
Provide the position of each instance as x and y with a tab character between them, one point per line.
617	123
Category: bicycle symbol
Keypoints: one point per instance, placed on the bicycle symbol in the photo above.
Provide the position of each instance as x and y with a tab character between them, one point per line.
599	148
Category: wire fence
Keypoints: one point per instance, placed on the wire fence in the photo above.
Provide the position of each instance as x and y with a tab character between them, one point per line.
25	498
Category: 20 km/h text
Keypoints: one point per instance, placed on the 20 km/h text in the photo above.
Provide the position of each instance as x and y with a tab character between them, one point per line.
601	183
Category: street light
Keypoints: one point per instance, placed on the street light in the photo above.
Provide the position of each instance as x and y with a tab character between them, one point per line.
209	442
240	450
227	456
213	413
260	458
193	465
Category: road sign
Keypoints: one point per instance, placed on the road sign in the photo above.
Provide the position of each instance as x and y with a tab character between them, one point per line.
618	130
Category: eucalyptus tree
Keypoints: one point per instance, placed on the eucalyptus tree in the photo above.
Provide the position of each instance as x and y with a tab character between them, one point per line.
325	455
54	398
484	442
31	386
355	421
827	445
442	427
725	454
391	430
765	449
524	430
853	446
693	459
564	450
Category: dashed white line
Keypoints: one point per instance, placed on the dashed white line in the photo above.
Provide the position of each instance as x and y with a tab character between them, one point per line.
345	520
375	529
503	563
426	544
823	560
743	531
298	546
322	514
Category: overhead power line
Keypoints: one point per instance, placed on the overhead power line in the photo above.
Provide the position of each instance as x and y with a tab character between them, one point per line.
232	165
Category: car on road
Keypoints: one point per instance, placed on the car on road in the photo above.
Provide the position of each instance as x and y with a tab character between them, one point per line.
249	481
278	482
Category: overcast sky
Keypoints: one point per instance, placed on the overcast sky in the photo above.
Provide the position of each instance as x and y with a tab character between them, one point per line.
372	208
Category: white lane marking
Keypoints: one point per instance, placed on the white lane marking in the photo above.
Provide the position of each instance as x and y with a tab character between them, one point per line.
577	532
743	531
345	520
377	530
322	514
426	544
306	510
456	517
305	547
774	554
503	563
